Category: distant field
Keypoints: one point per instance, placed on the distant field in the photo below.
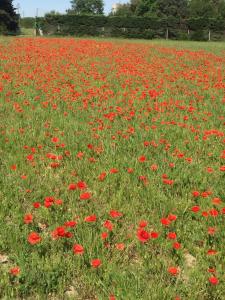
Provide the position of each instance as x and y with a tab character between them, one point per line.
112	169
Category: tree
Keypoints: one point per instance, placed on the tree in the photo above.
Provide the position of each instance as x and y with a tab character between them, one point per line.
174	8
52	13
8	17
7	6
87	7
207	8
145	7
134	4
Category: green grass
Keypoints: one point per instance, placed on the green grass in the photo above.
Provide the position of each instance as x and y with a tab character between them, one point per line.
106	99
27	32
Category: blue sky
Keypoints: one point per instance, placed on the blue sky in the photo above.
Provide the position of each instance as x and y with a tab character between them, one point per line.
28	7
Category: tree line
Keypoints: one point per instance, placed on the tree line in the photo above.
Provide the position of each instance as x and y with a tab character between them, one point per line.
181	9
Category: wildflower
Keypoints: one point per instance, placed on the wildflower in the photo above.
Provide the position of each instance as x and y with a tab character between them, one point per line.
95	263
15	271
115	214
108	224
171	235
213	280
85	196
28	218
143	235
34	238
90	219
120	246
72	187
195	208
78	249
174	271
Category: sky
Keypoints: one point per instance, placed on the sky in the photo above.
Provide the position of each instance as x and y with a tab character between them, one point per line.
28	7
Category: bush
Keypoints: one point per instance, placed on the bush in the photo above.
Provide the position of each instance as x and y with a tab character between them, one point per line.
27	22
8	25
131	27
199	35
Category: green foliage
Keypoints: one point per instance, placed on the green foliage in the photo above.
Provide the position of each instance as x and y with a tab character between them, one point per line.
7	6
131	27
207	8
27	22
199	35
53	12
87	7
8	17
146	7
174	8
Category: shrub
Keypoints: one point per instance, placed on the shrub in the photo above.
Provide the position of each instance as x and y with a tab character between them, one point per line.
132	27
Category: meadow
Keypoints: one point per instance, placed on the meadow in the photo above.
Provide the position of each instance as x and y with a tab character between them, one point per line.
112	171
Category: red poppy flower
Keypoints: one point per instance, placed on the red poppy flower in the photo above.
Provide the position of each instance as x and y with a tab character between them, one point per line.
171	235
113	171
115	214
30	157
165	221
154	167
211	252
172	217
91	218
154	235
58	202
173	271
213	280
59	232
211	270
211	230
216	201
15	271
168	181
142	158
28	218
102	176
78	249
81	185
104	235
34	238
143	223
120	246
143	235
196	193
195	208
95	263
176	245
55	140
223	211
85	196
213	212
70	224
205	214
80	155
72	187
108	224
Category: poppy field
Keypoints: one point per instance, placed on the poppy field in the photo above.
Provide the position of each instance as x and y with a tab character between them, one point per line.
112	170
